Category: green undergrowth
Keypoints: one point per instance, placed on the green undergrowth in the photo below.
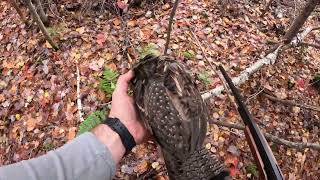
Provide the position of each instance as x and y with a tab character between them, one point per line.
92	121
205	78
108	81
108	85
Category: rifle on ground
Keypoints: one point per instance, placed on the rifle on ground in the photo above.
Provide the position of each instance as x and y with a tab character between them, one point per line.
267	164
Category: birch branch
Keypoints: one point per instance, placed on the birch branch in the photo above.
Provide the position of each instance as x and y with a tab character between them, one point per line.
266	60
173	12
79	104
270	137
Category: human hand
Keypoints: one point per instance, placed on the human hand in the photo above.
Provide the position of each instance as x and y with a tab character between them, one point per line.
123	108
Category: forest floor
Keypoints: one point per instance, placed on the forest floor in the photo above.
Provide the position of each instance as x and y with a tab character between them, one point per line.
38	99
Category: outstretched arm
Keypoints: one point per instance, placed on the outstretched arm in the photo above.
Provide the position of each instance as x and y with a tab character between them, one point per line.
92	155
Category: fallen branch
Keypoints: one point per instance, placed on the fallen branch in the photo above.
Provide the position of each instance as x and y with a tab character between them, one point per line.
266	60
270	137
317	46
79	104
291	103
173	12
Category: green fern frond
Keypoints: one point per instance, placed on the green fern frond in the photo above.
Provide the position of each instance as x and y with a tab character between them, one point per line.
108	81
92	121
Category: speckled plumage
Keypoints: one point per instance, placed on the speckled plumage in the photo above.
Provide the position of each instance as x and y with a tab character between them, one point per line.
172	109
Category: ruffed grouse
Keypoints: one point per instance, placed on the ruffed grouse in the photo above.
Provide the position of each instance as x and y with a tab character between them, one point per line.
172	109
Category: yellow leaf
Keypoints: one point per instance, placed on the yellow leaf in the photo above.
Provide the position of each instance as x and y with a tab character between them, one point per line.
108	56
18	117
80	30
46	94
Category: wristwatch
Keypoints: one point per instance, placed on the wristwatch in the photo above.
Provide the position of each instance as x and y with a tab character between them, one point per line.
127	139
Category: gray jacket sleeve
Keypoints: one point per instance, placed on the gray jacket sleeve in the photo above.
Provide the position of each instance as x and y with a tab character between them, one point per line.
84	158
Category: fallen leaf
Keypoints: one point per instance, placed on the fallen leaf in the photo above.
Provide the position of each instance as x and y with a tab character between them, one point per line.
80	30
71	133
97	65
141	167
122	5
31	123
101	38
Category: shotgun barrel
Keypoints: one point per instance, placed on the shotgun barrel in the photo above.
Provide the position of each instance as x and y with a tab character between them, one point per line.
260	148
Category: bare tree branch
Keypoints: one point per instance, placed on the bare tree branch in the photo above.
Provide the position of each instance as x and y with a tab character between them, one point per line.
300	20
268	59
270	137
291	103
37	18
317	46
173	12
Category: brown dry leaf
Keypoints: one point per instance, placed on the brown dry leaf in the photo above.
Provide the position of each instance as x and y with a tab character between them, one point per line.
72	133
101	38
141	167
80	30
48	45
132	23
31	123
112	66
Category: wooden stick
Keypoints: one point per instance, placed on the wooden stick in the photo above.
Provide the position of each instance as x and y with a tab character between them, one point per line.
317	46
270	137
173	12
291	103
79	104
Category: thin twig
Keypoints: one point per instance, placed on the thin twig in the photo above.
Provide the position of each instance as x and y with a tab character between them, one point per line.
317	46
291	103
78	96
173	12
270	137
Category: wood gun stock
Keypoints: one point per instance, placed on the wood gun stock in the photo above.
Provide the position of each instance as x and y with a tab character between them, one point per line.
260	148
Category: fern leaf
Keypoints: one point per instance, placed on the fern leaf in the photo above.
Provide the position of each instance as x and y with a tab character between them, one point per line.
108	81
92	121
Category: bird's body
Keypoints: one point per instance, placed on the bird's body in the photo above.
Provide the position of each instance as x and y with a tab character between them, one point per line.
172	109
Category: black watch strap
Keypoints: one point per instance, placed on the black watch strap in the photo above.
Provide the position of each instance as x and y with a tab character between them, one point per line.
127	139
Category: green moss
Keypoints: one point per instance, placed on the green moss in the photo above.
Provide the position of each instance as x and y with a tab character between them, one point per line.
188	54
252	169
205	78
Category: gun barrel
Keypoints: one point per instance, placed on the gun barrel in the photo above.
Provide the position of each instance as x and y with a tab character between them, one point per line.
270	166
